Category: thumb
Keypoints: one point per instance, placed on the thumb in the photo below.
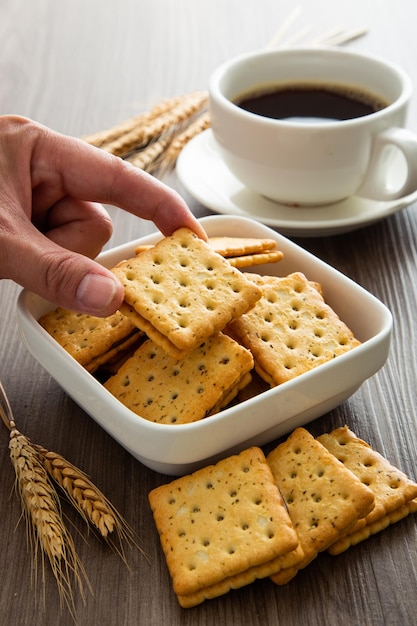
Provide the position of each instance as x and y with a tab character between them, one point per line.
65	278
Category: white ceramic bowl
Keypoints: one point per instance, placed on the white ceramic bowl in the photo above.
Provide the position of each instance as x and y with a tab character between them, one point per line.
179	449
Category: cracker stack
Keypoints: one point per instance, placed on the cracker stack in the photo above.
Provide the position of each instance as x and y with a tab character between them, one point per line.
395	494
222	527
323	498
240	251
92	341
213	333
230	523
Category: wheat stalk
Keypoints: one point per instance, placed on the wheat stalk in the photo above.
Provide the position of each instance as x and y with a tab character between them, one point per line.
147	159
37	471
42	512
102	137
88	500
170	156
141	135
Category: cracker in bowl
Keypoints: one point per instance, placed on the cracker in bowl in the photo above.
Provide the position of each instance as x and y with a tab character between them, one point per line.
167	391
291	329
92	341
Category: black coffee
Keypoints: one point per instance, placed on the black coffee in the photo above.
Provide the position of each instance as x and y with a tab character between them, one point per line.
311	102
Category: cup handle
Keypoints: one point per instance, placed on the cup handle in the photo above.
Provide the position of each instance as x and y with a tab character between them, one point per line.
385	166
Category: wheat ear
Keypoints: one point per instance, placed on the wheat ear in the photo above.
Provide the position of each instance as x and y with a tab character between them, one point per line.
45	527
169	157
102	137
147	159
143	134
88	500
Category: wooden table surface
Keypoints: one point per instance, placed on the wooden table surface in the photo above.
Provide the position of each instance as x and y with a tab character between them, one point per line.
83	66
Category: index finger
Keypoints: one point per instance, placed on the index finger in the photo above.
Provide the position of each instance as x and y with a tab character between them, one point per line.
89	173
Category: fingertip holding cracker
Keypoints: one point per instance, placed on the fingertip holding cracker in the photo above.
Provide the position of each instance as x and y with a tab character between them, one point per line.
324	498
180	292
222	527
394	491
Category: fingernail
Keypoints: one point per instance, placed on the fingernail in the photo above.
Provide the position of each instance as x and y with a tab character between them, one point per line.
95	292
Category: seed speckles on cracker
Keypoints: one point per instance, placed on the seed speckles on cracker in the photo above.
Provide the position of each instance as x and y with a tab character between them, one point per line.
291	329
395	493
324	498
222	527
167	391
181	291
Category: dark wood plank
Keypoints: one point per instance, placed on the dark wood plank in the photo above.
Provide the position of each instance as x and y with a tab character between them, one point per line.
83	66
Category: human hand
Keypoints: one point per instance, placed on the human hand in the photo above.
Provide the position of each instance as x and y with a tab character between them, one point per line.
52	223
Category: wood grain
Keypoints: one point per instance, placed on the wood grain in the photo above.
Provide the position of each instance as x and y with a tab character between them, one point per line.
84	66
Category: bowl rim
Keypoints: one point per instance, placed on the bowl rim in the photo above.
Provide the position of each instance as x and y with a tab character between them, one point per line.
168	437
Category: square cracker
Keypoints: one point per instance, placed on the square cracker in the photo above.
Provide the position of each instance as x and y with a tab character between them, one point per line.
394	491
222	526
323	497
291	329
180	292
87	338
164	390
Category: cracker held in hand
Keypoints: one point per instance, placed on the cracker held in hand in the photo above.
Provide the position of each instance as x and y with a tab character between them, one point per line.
394	492
222	527
180	292
92	341
291	329
164	390
324	498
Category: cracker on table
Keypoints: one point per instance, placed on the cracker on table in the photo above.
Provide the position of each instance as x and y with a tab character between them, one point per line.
394	491
291	329
164	390
324	498
222	526
180	292
85	337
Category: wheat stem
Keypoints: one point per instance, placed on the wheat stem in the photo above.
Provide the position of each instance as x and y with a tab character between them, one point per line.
88	500
170	156
102	137
143	134
147	159
42	512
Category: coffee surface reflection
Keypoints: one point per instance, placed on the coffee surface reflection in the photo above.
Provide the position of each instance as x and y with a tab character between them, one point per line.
311	103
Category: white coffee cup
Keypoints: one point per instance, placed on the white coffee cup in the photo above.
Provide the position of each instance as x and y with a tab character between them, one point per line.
304	163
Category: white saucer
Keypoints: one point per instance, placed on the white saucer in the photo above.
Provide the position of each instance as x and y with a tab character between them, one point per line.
205	176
